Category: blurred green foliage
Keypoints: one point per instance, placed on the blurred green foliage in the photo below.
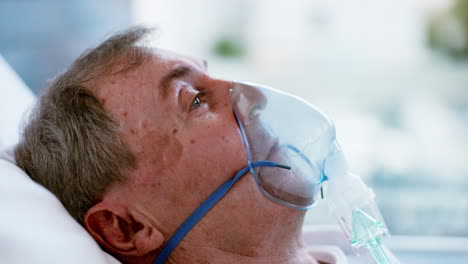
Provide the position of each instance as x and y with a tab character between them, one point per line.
448	31
229	46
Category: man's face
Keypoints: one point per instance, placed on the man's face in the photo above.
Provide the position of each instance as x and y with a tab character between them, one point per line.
179	123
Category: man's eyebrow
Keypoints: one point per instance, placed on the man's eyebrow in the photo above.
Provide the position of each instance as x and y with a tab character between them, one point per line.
166	80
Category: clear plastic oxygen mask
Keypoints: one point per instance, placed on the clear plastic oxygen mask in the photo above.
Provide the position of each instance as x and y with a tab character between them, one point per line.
296	161
289	131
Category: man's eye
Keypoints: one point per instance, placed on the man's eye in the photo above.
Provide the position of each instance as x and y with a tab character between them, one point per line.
196	102
199	100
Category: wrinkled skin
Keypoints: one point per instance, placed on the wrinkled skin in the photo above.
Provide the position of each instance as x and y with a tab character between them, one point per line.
187	144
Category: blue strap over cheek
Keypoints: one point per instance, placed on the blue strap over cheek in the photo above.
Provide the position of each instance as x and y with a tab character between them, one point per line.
193	219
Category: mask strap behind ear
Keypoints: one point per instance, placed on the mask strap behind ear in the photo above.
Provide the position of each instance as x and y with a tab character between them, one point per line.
205	207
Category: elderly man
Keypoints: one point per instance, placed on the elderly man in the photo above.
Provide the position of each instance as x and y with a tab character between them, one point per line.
133	139
147	151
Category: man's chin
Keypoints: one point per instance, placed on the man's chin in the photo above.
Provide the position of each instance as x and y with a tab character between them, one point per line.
247	191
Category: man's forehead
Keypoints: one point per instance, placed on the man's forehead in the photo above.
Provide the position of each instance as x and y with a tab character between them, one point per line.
147	77
170	59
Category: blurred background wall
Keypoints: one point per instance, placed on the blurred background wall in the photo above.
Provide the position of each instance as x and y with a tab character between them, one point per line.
393	74
39	38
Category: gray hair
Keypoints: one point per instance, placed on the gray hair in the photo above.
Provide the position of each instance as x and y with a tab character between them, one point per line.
71	145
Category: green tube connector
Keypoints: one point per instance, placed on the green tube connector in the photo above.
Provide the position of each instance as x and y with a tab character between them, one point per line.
366	231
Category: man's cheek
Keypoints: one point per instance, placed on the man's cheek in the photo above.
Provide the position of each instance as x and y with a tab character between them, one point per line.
160	151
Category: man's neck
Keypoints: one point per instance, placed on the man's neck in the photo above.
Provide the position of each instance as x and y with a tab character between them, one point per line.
273	236
207	254
284	251
269	244
256	233
220	256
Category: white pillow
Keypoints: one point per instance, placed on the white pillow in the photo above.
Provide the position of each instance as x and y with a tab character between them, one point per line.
15	100
34	226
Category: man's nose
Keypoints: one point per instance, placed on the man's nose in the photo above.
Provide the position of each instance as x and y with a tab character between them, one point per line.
248	100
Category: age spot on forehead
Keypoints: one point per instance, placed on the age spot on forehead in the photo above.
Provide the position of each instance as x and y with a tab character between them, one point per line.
192	141
103	101
174	131
125	114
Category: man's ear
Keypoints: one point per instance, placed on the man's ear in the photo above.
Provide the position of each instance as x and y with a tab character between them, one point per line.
121	231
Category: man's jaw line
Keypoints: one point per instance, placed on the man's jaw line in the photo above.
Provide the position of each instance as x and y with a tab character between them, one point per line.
296	254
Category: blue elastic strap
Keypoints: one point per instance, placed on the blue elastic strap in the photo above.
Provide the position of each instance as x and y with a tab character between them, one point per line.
205	207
